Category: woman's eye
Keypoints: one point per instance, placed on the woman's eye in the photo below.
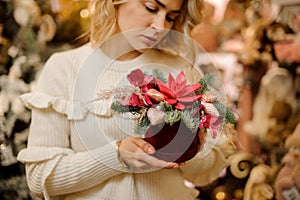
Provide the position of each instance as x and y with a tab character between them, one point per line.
151	9
170	19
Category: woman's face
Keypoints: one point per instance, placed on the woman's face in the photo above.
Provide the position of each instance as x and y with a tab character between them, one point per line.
145	22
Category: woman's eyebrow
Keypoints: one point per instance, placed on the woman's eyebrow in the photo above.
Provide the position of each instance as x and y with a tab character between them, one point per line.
164	6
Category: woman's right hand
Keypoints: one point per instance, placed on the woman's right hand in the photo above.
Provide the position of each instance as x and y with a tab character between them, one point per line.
137	153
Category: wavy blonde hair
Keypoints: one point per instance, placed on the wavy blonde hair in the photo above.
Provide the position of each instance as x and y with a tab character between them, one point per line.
104	24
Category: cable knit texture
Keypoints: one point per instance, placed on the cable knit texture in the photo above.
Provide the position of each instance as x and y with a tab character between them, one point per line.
71	146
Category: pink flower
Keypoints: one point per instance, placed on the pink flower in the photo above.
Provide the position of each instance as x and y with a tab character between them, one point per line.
205	121
212	123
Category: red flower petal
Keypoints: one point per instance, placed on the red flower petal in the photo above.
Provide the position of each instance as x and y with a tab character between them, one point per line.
179	106
171	82
124	101
148	80
148	100
165	90
207	121
180	80
213	133
171	101
134	100
187	90
189	98
136	77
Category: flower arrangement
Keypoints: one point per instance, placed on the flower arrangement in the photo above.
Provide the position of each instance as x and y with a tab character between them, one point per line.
165	106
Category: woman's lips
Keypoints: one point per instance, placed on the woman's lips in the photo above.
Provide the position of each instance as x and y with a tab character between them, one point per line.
149	40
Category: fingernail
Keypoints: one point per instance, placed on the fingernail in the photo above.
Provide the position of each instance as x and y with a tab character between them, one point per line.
175	167
150	150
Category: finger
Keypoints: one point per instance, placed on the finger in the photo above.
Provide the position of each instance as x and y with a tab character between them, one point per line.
144	161
130	145
147	147
138	164
172	166
157	163
134	160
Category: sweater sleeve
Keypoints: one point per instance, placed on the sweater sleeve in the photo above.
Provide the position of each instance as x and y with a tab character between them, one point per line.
53	168
206	166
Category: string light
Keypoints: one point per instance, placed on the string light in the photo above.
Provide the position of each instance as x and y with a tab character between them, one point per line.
220	195
84	13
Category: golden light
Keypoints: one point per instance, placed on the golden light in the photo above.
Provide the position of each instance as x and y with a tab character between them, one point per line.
238	193
220	195
84	13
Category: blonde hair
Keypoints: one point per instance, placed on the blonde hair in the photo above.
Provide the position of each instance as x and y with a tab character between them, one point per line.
104	24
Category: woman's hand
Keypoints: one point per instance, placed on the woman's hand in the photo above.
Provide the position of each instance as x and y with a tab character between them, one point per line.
136	153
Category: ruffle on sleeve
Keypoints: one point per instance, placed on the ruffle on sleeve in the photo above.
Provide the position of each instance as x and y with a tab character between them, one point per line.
38	154
75	110
100	107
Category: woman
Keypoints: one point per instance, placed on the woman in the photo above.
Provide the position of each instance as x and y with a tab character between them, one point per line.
71	151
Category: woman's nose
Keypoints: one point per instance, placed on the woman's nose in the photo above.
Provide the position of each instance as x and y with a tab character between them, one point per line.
159	22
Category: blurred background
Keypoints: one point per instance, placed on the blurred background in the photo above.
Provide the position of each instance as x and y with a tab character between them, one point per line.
254	43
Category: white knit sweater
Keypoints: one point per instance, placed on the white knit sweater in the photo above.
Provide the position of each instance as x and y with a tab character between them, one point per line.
71	146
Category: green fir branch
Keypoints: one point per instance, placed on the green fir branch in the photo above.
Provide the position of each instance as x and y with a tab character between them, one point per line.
165	106
142	126
225	112
172	116
205	81
118	107
191	122
158	74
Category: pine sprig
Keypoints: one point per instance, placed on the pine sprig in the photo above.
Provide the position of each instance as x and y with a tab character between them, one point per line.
165	106
225	111
158	74
142	126
191	122
118	107
205	81
172	116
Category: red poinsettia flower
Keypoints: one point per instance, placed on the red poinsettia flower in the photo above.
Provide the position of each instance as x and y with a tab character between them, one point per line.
177	92
152	90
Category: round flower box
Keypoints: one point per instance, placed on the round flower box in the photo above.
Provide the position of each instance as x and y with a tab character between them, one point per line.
173	143
164	105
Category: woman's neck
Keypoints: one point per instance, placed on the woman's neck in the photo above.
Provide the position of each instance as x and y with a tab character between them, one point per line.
118	48
129	56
